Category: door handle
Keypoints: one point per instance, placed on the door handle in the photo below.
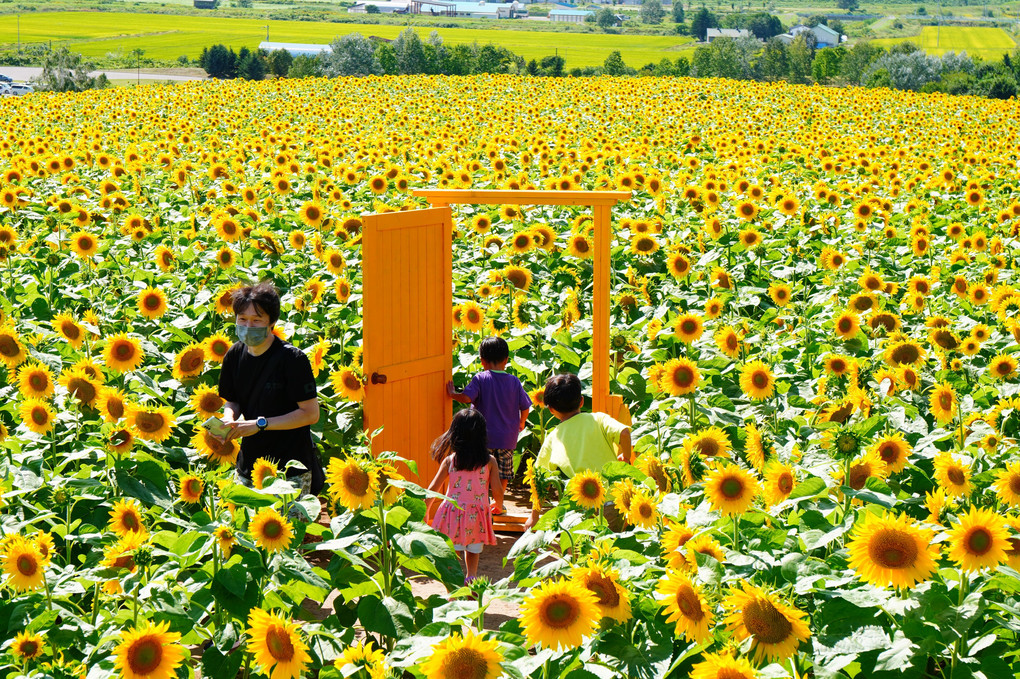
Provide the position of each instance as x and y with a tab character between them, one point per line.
378	379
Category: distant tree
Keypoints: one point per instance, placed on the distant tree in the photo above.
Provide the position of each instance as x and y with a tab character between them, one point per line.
652	12
435	53
827	63
683	67
906	71
957	83
922	11
702	21
305	66
837	25
459	60
857	60
724	58
614	64
605	18
665	67
848	5
1002	87
372	9
409	52
496	59
219	61
245	4
251	67
800	56
279	62
678	12
387	57
532	67
552	66
764	25
352	54
701	63
773	63
905	47
65	71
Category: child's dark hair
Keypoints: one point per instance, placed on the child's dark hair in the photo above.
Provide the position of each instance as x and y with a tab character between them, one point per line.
494	350
466	439
563	392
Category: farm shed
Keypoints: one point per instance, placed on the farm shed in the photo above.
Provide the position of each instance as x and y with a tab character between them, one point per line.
733	33
570	16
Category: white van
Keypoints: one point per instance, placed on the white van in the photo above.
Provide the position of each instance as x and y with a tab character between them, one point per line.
21	88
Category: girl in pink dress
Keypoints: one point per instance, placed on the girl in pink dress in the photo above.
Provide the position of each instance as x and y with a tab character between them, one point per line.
473	474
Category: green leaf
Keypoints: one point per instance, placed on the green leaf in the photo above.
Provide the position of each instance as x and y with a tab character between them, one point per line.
142	489
897	656
386	616
234	579
248	497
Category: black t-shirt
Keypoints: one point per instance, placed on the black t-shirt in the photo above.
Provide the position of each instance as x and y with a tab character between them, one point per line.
290	382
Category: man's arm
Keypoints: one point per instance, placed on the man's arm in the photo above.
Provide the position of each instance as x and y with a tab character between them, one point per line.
306	414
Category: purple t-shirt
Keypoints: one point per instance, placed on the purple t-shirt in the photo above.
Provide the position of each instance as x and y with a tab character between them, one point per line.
500	398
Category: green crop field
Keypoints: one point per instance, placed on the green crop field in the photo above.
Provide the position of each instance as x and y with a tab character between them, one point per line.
168	36
987	43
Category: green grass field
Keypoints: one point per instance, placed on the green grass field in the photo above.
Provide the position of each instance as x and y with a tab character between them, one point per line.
162	36
987	43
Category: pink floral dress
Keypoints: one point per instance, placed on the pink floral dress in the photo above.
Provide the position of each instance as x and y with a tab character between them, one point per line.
472	523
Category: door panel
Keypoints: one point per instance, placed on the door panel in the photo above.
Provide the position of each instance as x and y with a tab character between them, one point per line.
408	300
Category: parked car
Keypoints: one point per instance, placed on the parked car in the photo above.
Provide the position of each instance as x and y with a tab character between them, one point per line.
6	78
21	88
5	90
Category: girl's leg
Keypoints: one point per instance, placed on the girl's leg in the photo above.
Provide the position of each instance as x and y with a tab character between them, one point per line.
471	563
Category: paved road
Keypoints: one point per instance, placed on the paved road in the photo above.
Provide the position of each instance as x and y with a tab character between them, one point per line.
24	73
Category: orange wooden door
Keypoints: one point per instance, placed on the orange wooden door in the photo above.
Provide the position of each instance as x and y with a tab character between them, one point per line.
407	328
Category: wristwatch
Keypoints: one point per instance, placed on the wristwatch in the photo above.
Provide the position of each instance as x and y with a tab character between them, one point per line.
262	423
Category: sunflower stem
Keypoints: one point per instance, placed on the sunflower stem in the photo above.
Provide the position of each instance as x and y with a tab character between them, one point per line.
692	411
49	597
736	532
384	549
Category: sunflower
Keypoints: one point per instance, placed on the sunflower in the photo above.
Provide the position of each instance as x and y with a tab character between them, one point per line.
778	483
112	403
643	244
952	476
225	257
189	362
559	614
522	242
262	471
69	329
1002	367
685	607
225	540
579	246
789	205
165	258
710	442
311	214
846	324
35	381
1007	484
276	645
612	599
120	441
728	341
271	531
723	666
757	381
775	628
894	451
151	424
223	452
456	657
353	484
152	303
23	564
126	518
892	551
838	364
123	353
731	489
472	316
37	415
347	384
190	488
671	542
12	352
27	645
362	656
206	401
518	276
979	540
943	403
81	386
150	651
84	244
643	512
587	490
680	376
688	327
780	293
678	265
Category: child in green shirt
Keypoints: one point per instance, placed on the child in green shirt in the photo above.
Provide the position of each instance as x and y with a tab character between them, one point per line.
581	440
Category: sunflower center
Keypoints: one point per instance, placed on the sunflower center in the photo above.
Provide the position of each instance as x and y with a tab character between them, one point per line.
27	565
946	400
732	488
211	403
708	447
82	389
272	529
149	422
1014	483
279	644
1004	368
465	663
893	549
603	588
838	365
979	541
689	604
29	648
765	622
152	302
759	379
473	316
888	452
859	476
845	324
689	327
192	360
8	347
561	611
40	416
356	480
38	382
145	656
956	476
590	489
70	330
581	245
785	482
684	376
123	351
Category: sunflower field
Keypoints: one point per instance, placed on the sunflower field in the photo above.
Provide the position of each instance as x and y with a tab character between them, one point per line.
816	326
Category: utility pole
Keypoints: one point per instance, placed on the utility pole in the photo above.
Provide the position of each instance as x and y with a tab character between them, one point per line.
267	32
19	33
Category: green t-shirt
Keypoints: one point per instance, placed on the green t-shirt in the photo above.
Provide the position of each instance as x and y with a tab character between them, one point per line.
585	441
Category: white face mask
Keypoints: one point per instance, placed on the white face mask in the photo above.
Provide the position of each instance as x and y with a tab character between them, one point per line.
251	336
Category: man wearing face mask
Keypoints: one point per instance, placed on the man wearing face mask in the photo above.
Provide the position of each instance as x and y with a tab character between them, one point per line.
269	390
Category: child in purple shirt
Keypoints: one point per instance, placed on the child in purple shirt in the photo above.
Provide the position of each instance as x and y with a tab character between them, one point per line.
501	399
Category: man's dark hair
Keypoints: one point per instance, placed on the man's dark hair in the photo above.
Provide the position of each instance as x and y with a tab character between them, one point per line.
494	350
563	392
263	296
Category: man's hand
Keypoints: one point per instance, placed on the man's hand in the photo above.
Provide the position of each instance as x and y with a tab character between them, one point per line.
242	428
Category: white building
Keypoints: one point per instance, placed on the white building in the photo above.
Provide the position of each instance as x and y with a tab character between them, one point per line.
477	10
824	36
570	16
734	33
296	49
